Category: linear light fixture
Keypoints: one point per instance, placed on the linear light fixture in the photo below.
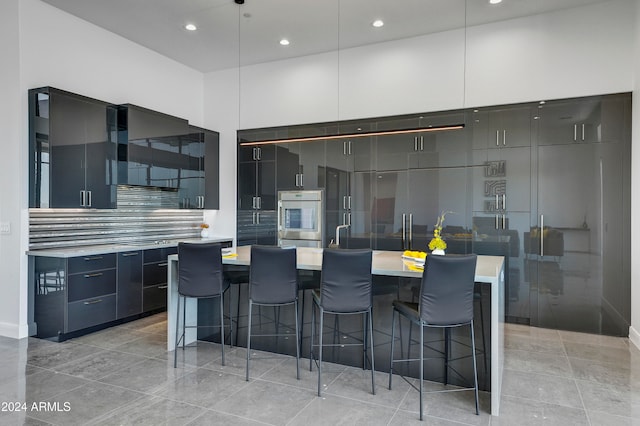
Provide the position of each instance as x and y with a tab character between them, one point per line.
356	135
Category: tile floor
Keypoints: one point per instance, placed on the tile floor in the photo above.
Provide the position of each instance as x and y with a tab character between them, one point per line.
124	375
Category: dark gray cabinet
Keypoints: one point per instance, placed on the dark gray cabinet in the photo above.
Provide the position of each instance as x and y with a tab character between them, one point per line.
544	184
154	278
256	216
200	173
129	298
72	147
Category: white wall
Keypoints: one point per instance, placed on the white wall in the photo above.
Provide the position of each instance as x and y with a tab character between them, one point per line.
634	330
42	46
13	191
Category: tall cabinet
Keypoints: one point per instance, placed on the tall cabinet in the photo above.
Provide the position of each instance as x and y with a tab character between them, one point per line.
544	184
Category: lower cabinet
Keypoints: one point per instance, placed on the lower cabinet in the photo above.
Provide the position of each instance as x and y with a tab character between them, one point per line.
129	299
154	278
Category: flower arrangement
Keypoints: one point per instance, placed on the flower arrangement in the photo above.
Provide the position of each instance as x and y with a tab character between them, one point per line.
437	243
204	226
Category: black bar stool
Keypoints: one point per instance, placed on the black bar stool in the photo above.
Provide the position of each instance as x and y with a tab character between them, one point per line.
200	276
273	281
345	289
446	301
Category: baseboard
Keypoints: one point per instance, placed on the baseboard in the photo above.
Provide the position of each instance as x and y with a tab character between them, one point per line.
634	336
14	331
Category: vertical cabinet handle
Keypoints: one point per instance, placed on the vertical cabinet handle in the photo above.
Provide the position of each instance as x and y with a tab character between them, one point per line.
349	202
297	185
404	231
504	137
583	132
344	202
253	218
259	203
349	217
349	145
575	132
421	143
541	235
497	203
301	180
504	201
497	225
257	218
410	231
415	143
89	203
497	137
344	148
344	218
504	221
253	202
83	198
259	153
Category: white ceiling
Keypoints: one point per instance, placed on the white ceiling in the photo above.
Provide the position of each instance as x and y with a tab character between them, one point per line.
229	34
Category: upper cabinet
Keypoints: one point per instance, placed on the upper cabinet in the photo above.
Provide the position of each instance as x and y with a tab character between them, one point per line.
73	161
81	149
501	127
150	145
590	120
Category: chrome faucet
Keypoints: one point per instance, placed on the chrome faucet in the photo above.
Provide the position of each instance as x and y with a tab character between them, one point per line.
338	228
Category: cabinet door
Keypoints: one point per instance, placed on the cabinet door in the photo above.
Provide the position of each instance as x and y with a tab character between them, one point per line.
266	185
288	170
211	166
101	174
567	122
191	177
509	127
67	143
389	210
129	295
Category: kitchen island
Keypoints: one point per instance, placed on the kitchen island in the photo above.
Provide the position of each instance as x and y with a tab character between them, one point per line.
489	270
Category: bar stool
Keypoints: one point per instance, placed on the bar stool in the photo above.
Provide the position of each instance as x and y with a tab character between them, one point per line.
446	301
273	281
345	289
200	276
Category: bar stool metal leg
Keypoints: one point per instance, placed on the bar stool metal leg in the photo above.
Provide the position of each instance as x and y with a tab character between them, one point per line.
373	368
249	337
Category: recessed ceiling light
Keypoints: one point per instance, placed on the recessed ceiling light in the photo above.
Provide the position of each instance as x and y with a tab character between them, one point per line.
284	42
190	27
377	23
495	1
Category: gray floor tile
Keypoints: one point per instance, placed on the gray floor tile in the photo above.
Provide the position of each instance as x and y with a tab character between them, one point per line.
153	411
402	418
211	417
541	388
285	373
86	403
531	332
516	411
149	375
60	353
355	383
149	345
617	374
267	402
203	387
526	343
616	400
38	387
599	353
604	419
99	365
19	418
535	362
331	410
594	339
456	406
236	362
109	338
199	353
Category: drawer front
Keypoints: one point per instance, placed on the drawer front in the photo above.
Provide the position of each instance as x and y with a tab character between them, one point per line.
86	313
129	283
154	297
159	255
91	263
155	273
91	284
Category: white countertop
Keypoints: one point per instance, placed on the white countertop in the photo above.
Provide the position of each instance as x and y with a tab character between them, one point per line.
118	248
